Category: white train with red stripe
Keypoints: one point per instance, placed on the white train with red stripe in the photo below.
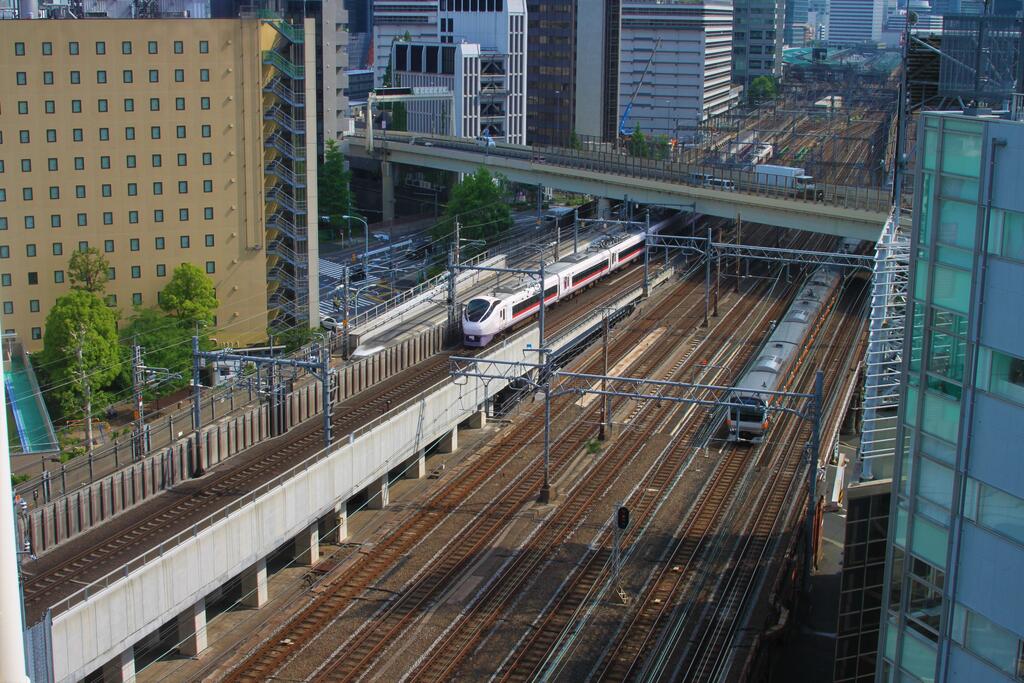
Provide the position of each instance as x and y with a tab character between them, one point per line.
486	316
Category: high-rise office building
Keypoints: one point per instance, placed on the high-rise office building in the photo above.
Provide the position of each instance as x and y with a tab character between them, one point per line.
159	142
952	605
855	22
689	49
393	20
551	79
757	37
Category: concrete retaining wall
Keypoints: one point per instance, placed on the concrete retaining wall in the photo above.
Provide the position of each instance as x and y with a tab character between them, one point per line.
95	630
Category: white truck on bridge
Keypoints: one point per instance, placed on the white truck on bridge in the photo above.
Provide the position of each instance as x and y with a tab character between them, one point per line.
788	177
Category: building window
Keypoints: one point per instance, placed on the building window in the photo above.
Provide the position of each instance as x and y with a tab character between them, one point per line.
76	134
108	218
182	187
26	194
179	75
105	188
126	76
204	47
73	48
133	244
22	107
156	161
182	215
33	305
105	164
154	76
209	240
82	219
8	308
204	75
126	47
20	78
204	102
37	333
158	187
1001	374
30	250
51	164
129	133
133	216
136	272
129	161
208	213
154	132
76	78
76	106
101	106
179	47
133	189
151	47
48	77
5	251
5	280
101	47
183	241
55	220
112	299
211	267
19	49
154	104
179	103
207	186
207	158
101	77
23	137
58	249
3	222
161	270
137	299
30	222
58	276
79	163
51	135
158	242
49	107
129	104
26	165
206	130
80	191
104	134
158	215
179	131
182	159
54	192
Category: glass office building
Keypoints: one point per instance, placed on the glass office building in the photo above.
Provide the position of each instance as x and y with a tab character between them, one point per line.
953	577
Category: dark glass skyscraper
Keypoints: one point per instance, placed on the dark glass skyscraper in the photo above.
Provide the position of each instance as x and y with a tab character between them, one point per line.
551	78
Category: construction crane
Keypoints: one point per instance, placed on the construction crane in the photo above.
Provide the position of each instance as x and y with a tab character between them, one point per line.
629	105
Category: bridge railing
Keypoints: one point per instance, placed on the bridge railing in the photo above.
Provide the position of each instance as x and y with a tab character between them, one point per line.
693	175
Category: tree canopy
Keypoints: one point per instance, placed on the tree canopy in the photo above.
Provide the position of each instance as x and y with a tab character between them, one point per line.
763	88
166	343
637	143
79	319
335	196
189	296
478	202
87	270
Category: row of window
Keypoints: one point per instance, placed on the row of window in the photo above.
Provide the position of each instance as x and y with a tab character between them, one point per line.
184	241
78	135
136	273
127	76
106	189
82	219
130	160
103	105
152	47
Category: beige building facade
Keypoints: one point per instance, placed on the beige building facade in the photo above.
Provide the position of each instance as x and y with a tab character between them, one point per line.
148	140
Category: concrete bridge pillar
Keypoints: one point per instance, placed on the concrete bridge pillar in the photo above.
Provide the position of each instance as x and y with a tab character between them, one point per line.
477	420
604	207
417	467
192	629
449	442
254	585
120	669
377	495
307	545
387	191
337	523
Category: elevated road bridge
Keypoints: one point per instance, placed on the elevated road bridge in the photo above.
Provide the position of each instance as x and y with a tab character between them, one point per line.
832	209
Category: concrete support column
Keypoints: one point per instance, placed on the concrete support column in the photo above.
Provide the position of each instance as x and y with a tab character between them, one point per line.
604	207
254	585
377	498
416	467
477	420
192	629
120	669
307	546
449	442
337	523
387	191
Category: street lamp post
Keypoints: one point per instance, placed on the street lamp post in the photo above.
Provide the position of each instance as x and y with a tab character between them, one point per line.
366	229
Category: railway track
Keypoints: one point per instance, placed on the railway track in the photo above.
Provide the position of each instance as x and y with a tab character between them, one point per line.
271	655
644	648
725	345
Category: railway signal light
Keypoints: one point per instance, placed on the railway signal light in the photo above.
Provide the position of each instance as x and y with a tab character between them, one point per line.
622	517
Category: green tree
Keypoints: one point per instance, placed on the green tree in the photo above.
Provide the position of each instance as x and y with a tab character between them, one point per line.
574	141
637	144
335	195
79	324
399	114
87	270
763	88
166	343
479	203
189	296
660	147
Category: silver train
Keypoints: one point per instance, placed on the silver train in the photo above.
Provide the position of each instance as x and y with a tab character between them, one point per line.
748	418
486	316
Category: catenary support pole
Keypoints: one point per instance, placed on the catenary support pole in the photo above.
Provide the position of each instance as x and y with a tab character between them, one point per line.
325	373
739	233
707	278
575	231
605	428
647	256
814	456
